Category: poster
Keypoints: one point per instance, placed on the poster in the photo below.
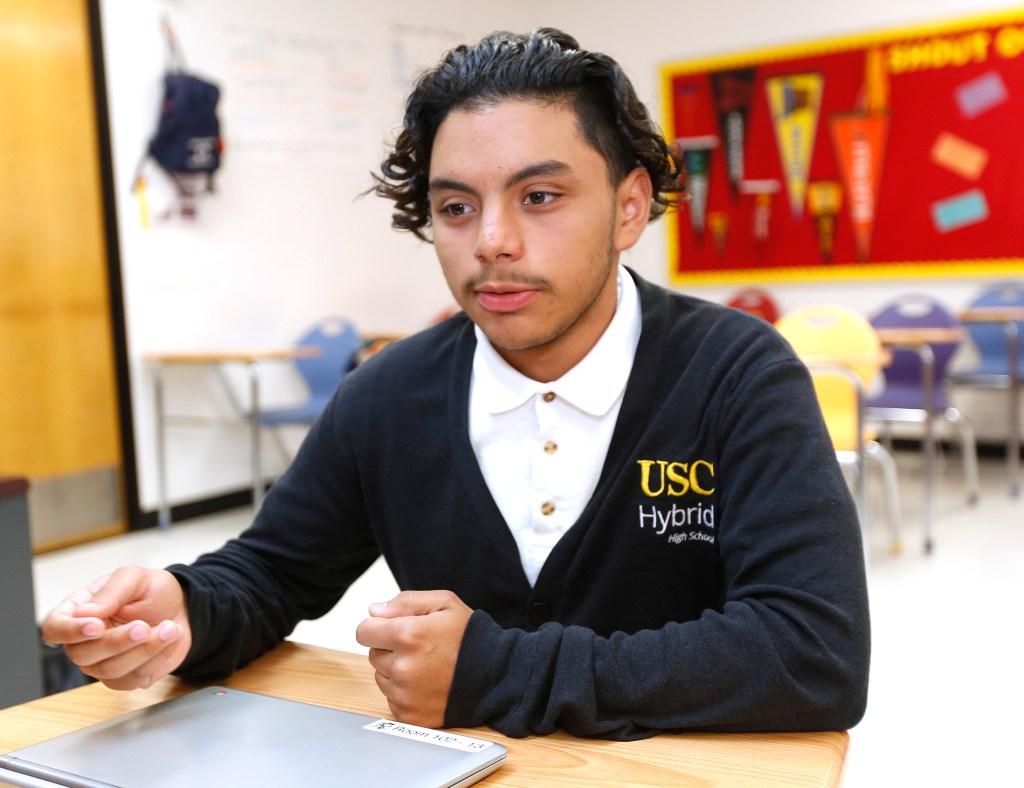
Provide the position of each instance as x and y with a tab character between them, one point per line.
890	154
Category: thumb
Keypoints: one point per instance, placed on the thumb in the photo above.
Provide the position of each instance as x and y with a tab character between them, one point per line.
111	593
412	603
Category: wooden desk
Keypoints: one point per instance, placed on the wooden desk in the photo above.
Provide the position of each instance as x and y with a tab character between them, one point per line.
345	681
251	359
1008	317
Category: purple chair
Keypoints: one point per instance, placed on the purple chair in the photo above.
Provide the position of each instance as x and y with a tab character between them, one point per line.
904	398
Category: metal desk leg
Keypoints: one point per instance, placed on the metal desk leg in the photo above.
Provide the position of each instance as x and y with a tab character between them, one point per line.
928	379
164	514
1013	441
253	370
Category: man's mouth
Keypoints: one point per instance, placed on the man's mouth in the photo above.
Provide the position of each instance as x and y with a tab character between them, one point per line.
504	297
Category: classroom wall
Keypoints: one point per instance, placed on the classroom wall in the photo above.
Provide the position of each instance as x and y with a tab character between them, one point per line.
311	89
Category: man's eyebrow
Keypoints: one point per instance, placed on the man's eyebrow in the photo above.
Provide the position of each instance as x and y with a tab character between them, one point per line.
549	167
542	168
447	184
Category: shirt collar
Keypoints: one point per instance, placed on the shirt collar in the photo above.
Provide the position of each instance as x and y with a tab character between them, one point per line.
593	385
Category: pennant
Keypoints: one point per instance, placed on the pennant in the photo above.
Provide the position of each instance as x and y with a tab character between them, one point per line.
733	95
823	200
795	103
859	139
762	191
718	221
696	158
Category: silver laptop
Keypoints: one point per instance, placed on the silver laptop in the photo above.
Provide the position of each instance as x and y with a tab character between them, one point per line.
226	737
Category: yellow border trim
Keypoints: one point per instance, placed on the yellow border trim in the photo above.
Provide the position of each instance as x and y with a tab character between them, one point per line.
851	271
843	43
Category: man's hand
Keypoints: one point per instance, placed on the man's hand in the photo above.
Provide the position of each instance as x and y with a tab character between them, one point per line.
414	642
126	629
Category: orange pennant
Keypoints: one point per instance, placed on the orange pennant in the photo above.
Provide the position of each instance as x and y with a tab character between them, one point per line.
859	140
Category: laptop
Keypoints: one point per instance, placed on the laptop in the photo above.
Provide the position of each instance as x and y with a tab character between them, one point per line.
225	737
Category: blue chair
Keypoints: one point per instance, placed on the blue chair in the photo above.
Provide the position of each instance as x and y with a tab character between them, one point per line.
990	338
906	397
339	343
997	340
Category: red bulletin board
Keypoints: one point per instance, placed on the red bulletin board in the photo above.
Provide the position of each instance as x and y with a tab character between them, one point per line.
917	134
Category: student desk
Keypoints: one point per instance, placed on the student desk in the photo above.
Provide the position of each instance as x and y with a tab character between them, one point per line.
345	681
251	360
921	340
1007	317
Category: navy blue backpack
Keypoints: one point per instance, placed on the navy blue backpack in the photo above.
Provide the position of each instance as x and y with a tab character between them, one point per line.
187	139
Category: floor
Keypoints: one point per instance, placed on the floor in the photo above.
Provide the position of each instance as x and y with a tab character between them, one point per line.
947	687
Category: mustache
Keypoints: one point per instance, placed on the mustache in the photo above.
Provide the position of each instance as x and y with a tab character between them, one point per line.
505	278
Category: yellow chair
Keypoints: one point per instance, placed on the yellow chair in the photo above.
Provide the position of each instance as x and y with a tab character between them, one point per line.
845	357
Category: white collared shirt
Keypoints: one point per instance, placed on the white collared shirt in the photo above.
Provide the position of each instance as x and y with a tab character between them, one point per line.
541	455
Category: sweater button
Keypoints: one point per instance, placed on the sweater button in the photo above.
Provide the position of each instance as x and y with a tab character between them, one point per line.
540	613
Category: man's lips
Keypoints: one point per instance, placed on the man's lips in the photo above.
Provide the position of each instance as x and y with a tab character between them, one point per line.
504	297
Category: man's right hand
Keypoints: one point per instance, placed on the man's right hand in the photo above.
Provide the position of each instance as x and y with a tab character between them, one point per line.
127	629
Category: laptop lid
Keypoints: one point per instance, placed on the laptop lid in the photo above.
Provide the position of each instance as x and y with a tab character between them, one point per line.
218	736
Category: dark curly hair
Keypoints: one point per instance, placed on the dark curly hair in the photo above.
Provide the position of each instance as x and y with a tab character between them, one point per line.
545	65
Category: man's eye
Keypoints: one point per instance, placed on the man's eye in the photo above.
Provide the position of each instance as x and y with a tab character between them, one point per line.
455	209
538	198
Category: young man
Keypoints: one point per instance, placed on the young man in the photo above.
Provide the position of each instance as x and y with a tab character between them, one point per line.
614	509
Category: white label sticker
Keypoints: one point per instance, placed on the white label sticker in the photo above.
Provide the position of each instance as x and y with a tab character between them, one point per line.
429	735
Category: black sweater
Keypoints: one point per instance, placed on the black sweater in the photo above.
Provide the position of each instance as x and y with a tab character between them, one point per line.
715	581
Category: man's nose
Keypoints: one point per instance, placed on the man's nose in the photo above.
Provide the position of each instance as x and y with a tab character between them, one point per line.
500	237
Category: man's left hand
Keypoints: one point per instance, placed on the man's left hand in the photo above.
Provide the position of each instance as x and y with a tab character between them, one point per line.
414	642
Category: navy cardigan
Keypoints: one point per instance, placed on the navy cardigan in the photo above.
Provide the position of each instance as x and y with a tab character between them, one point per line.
715	581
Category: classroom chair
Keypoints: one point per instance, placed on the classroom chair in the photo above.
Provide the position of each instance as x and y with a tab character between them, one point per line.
844	356
922	336
338	342
755	301
994	320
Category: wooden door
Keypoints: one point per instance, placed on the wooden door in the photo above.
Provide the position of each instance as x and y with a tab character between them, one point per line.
58	396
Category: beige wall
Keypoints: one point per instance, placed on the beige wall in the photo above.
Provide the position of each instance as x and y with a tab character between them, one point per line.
58	413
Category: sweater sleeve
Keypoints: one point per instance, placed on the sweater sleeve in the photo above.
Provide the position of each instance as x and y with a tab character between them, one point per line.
788	648
308	543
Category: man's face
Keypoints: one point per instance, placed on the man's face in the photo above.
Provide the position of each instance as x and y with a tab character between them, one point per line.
528	230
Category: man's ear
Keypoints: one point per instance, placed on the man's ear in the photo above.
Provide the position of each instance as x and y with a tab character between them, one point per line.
633	202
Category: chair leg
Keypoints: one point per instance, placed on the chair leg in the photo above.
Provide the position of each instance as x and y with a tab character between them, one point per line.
282	449
885	460
969	451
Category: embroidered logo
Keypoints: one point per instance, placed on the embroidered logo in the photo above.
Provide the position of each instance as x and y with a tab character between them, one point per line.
674	479
677	478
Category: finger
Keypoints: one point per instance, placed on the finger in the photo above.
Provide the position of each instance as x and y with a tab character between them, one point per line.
374	633
62	626
413	603
380	660
383	683
392	634
143	675
108	655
